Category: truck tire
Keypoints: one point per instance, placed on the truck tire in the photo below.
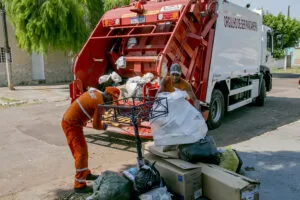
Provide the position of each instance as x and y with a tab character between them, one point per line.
216	110
260	100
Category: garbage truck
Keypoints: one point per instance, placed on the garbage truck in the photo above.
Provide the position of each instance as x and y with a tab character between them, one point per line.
224	51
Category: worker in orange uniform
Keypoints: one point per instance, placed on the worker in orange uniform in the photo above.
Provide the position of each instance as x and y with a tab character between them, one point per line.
82	110
175	82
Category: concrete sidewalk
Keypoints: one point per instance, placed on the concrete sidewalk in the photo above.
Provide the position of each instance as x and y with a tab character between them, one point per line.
33	94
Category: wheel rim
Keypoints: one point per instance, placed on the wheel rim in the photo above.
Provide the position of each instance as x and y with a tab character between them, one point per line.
216	109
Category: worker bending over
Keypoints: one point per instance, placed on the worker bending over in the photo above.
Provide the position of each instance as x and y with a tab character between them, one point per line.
175	82
82	110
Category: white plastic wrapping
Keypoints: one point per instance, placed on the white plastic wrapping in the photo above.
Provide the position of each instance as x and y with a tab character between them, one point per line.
121	62
103	79
184	124
156	194
116	78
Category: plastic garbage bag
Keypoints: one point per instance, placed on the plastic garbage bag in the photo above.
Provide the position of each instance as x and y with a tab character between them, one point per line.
147	78
111	186
132	85
116	77
238	170
204	150
131	42
229	159
121	62
130	173
103	79
147	178
156	194
184	124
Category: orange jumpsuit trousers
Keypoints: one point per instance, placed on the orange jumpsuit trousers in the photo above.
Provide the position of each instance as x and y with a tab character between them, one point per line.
81	111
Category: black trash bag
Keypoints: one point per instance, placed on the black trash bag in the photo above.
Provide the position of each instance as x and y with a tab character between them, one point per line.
238	170
114	186
147	178
204	150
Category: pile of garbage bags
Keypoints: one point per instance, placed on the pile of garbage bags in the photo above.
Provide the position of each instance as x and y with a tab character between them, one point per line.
134	85
144	184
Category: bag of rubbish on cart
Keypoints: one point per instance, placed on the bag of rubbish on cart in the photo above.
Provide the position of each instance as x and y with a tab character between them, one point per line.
204	150
229	159
156	194
147	178
183	124
111	186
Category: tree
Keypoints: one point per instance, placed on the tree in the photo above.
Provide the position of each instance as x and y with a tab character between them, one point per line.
110	4
43	24
289	28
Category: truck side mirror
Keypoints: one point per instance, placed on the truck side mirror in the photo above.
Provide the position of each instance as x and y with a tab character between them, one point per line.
279	41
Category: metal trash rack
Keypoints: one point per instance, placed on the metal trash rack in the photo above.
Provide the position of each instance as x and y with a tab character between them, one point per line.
133	111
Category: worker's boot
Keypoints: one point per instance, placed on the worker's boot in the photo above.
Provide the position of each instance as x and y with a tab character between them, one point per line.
91	177
86	189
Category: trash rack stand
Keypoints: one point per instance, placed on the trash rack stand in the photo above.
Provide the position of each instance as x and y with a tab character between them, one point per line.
133	111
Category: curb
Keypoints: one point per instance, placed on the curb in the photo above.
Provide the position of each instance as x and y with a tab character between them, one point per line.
285	75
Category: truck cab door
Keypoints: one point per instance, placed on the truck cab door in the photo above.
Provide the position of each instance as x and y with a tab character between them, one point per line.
269	50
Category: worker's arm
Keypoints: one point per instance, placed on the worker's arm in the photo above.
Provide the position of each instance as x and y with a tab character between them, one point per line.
193	97
97	124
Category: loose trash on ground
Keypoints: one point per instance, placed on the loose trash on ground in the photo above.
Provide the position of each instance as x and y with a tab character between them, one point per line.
147	178
229	160
204	150
111	186
156	194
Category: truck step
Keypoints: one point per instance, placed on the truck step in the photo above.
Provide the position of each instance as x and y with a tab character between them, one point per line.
240	90
239	104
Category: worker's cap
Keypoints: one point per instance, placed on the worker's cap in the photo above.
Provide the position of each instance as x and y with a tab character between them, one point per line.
175	69
114	92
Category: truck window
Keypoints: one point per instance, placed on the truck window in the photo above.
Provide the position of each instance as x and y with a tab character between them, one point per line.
269	41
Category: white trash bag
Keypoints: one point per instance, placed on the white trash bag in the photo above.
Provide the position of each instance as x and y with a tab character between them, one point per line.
121	62
116	77
184	124
103	79
156	194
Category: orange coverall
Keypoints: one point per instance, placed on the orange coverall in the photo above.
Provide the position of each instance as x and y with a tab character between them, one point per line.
77	115
169	86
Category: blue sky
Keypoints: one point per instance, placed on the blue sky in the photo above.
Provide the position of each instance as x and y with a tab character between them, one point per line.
274	6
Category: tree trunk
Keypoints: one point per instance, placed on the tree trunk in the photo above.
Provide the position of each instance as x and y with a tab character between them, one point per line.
7	49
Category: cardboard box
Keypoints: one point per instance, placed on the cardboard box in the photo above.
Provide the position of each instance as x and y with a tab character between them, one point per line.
182	179
222	184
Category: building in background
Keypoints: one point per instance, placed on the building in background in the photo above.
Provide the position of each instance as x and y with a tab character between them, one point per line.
28	69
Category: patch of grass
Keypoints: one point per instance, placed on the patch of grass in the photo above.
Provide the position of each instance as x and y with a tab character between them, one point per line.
7	100
293	70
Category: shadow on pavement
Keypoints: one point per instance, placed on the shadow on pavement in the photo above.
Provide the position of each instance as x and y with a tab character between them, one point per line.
70	195
113	140
278	173
251	121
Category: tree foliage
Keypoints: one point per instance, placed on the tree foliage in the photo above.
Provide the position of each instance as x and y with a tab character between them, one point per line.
56	24
289	28
43	24
110	4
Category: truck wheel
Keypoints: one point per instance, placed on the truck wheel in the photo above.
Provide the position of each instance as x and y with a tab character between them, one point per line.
260	100
216	110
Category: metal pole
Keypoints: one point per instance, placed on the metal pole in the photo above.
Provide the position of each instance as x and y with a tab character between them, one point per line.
7	51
